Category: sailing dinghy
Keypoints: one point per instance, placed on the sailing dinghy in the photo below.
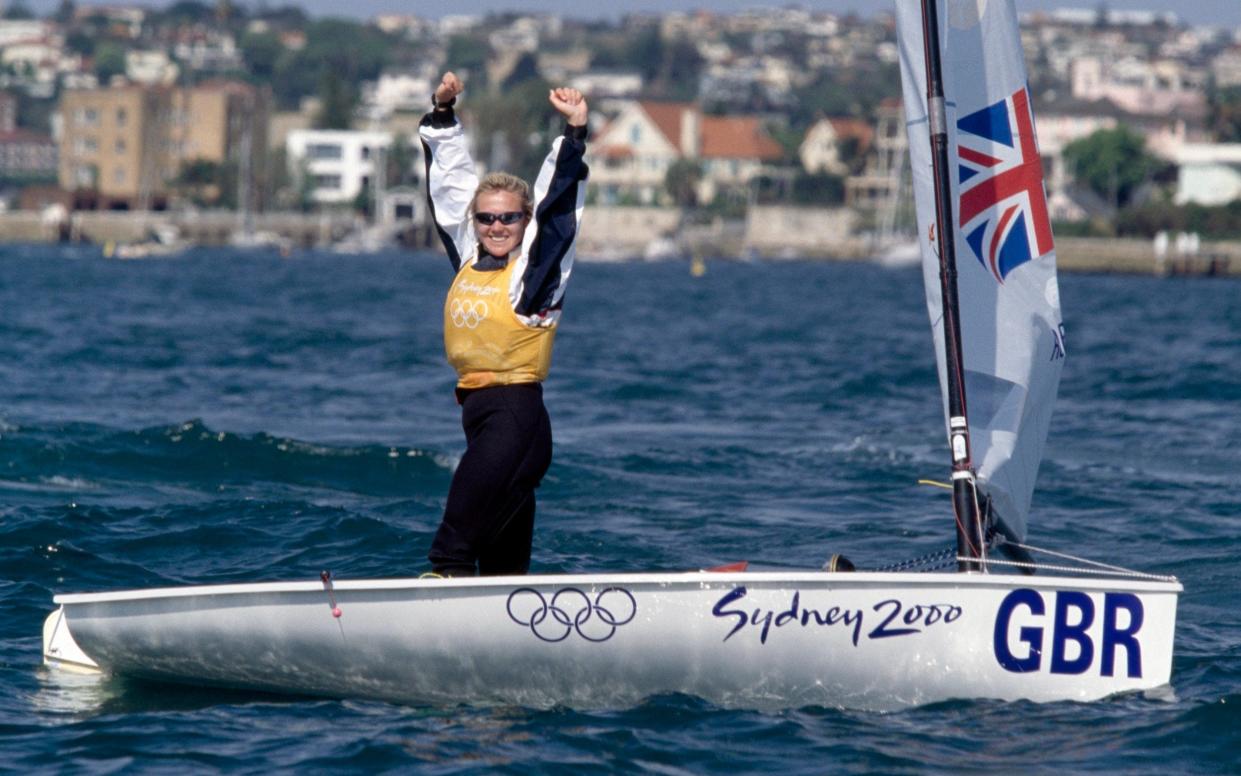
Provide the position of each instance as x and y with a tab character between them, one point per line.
861	639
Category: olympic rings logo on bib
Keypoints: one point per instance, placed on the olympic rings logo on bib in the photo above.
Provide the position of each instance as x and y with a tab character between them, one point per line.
467	313
572	610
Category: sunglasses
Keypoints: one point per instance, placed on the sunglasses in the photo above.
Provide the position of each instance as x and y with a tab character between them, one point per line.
508	219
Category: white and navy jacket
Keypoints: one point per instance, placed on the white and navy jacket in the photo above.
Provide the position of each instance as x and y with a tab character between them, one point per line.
547	250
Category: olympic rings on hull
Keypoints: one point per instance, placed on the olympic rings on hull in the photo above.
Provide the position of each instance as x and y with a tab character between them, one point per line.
467	313
572	610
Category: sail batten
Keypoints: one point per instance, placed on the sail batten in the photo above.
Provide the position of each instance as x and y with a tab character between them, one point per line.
1009	310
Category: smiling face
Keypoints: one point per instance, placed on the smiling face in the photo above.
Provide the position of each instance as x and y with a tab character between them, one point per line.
498	238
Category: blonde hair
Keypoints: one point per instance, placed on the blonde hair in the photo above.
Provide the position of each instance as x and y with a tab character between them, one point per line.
503	181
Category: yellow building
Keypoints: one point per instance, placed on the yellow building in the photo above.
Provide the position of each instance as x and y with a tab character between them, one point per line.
123	147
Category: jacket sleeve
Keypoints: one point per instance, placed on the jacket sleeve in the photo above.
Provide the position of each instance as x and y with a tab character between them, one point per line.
550	243
451	181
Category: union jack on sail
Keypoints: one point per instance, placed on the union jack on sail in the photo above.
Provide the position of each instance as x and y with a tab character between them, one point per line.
1003	208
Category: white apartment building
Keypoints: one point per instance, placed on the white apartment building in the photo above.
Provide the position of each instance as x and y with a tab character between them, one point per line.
340	163
408	91
152	67
1209	173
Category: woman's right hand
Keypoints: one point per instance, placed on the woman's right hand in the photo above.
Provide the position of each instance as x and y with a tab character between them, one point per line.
450	86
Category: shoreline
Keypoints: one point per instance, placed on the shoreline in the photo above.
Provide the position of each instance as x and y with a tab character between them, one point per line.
768	233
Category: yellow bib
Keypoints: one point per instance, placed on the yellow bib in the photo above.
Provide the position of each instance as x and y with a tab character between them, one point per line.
485	340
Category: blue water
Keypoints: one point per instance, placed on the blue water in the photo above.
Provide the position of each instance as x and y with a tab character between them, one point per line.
223	417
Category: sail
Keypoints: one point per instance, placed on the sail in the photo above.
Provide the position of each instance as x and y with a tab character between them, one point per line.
1011	333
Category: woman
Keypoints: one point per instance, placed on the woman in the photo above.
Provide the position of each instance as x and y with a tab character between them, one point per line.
512	251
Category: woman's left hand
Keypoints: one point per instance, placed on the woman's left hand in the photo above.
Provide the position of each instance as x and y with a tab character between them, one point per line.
571	104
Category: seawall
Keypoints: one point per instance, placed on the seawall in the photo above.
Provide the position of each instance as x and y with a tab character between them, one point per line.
620	233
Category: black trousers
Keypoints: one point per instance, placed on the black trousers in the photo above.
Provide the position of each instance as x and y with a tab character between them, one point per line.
489	519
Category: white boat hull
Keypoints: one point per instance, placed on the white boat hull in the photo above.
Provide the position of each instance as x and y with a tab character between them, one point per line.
757	640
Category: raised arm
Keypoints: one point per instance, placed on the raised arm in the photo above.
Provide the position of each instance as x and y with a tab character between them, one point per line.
559	199
451	177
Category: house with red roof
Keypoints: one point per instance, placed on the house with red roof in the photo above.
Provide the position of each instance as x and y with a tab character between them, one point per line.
831	144
631	155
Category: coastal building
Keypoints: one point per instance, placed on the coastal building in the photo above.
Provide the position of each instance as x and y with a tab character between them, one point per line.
1209	174
631	156
406	90
122	148
335	166
207	51
151	66
8	112
1063	121
1150	88
596	84
33	64
111	156
1226	68
831	143
14	31
879	185
26	155
225	123
121	20
411	27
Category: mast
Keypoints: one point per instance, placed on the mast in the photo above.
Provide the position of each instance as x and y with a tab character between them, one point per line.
964	488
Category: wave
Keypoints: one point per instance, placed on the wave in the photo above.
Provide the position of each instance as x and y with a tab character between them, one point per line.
190	455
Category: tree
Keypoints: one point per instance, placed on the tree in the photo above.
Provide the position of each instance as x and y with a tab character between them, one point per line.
526	69
18	12
109	61
35	113
209	183
287	17
1225	114
65	11
261	51
680	69
1113	163
364	202
522	120
681	182
188	12
399	162
818	189
337	103
80	42
469	55
349	51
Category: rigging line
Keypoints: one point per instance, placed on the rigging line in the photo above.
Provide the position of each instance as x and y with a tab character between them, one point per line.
1073	569
1075	558
935	484
982	551
969	540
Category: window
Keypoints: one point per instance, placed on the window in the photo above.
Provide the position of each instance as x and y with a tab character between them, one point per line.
121	117
323	151
84	176
118	176
120	145
327	182
635	134
366	152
